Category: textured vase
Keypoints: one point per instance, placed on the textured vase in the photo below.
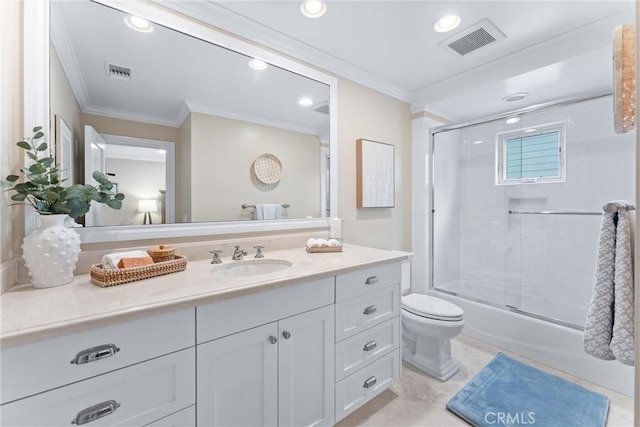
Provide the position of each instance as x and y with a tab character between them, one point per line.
51	252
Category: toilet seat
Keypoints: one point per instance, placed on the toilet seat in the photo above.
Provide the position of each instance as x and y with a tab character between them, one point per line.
432	308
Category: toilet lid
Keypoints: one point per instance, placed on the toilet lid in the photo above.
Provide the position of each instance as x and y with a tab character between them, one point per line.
431	307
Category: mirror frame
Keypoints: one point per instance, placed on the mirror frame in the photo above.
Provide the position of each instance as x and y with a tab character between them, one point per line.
36	113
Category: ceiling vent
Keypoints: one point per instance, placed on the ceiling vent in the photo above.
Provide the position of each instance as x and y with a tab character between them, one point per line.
473	38
118	72
320	107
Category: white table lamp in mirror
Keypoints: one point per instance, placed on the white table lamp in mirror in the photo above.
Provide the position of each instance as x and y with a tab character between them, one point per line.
147	206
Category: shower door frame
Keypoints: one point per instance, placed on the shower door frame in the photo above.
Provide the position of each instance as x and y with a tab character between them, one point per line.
460	125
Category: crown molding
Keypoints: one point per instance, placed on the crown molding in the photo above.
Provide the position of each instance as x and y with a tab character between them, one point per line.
67	56
234	115
232	22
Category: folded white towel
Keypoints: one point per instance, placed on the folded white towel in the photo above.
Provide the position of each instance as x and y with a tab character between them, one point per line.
112	260
268	211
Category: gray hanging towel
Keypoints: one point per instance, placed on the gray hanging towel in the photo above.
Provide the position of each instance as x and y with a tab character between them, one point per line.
598	328
622	342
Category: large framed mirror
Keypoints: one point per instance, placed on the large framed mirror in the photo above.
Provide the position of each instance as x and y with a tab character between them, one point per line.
179	117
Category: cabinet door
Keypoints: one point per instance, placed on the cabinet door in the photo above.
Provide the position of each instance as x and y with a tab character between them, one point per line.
238	379
306	369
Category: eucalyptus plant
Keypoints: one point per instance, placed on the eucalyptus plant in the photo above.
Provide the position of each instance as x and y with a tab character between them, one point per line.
43	187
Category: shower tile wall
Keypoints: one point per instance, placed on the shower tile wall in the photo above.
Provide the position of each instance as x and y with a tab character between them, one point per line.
542	264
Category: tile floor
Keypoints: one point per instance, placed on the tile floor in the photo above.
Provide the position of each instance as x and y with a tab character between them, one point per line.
419	400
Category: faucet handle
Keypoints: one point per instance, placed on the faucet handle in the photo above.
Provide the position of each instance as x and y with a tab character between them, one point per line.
216	256
259	249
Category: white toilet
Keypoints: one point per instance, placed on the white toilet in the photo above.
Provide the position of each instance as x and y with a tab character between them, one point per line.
428	324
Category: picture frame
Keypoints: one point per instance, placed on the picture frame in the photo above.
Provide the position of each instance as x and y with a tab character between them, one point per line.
375	174
64	150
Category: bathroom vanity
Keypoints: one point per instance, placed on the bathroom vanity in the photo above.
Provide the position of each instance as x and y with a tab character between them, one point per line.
305	345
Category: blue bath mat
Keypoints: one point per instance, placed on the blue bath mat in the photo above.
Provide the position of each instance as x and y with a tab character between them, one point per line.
509	393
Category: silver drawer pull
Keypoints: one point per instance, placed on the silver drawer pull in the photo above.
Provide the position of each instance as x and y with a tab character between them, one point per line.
370	346
95	353
286	335
96	411
372	280
273	339
370	382
370	309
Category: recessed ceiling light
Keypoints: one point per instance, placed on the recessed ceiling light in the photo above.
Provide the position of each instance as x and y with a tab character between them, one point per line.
477	142
305	101
512	120
138	24
313	8
446	23
515	97
257	64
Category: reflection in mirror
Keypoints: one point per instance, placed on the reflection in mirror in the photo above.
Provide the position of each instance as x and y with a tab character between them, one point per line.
134	99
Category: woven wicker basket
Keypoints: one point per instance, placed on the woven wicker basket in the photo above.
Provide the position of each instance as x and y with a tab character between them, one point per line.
104	277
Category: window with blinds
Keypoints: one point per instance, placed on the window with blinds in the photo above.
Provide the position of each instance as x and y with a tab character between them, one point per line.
536	155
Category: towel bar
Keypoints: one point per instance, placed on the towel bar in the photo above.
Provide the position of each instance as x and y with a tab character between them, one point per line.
245	206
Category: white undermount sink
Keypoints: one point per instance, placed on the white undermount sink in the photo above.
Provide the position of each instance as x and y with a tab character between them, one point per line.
251	267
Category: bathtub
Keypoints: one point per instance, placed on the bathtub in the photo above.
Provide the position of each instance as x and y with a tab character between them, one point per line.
557	346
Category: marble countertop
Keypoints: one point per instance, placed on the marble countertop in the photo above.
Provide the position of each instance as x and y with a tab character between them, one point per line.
30	314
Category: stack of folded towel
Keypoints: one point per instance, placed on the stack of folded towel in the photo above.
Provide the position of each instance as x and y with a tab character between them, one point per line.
322	243
126	259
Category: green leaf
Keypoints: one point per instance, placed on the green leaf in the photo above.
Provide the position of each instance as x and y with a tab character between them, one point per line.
112	203
32	156
99	177
53	195
19	197
38	135
13	178
37	128
77	208
46	161
36	168
42	147
119	196
24	144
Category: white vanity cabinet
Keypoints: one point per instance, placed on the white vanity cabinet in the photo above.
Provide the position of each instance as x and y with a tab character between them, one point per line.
124	374
367	335
278	373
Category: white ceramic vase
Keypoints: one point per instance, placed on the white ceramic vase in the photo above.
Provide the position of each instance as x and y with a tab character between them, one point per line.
51	252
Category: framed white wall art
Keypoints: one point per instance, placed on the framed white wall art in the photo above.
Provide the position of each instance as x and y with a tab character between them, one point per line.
375	174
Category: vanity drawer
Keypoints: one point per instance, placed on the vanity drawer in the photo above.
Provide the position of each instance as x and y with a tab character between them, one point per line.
43	365
359	282
360	387
184	418
361	349
238	314
135	395
362	312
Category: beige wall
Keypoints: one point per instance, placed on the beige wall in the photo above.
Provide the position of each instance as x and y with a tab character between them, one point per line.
11	124
131	128
222	153
365	113
63	103
137	179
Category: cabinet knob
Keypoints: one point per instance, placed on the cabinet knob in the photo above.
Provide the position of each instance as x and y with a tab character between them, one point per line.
370	382
286	335
370	346
94	412
370	309
95	353
273	339
372	280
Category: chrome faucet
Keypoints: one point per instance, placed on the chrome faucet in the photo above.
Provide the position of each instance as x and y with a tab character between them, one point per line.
216	256
259	249
238	253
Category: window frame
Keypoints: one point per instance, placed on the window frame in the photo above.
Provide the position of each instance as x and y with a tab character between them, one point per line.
501	153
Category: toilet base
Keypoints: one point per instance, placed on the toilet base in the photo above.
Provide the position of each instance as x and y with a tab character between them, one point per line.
429	355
